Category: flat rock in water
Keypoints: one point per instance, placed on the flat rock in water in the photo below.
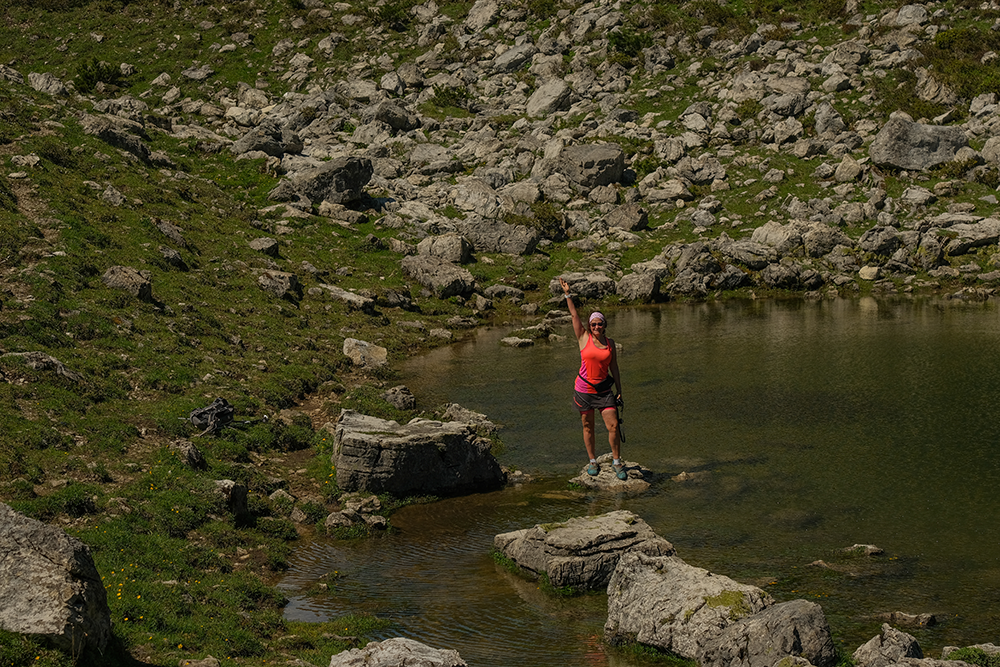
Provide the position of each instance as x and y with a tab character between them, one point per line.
581	552
637	482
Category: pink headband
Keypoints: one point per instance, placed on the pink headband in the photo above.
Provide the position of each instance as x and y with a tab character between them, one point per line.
596	316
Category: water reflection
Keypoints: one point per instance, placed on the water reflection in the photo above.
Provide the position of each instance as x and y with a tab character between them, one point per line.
800	427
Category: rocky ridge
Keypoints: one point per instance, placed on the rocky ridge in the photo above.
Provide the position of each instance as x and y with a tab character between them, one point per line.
759	119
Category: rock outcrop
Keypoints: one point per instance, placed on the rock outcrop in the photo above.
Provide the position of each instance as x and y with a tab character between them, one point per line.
49	586
422	457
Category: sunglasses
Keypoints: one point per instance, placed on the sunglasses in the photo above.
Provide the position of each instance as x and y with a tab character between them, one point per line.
598	324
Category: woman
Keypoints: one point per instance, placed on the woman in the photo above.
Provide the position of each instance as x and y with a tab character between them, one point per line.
592	391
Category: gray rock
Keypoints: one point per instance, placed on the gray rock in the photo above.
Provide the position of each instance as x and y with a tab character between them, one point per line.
171	231
504	292
131	280
592	165
449	247
281	284
338	181
48	84
49	586
785	239
422	457
234	494
662	601
637	480
820	239
640	287
514	58
749	253
488	235
401	398
353	300
552	96
887	648
797	628
40	361
117	132
394	115
397	652
904	144
442	277
882	241
10	74
453	412
271	137
365	354
267	246
189	454
585	286
477	196
702	170
582	552
973	235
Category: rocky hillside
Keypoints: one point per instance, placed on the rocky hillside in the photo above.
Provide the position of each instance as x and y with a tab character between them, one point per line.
273	202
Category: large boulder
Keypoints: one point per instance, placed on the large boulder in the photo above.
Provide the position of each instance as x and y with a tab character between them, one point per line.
488	235
592	165
270	137
441	277
120	133
397	652
49	585
421	457
663	602
338	181
585	286
889	647
797	628
969	236
581	552
132	280
904	144
551	96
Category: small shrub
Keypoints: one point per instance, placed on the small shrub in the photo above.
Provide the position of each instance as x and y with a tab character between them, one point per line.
629	42
975	656
447	97
393	15
95	72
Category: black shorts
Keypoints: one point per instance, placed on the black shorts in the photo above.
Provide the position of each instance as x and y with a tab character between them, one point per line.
587	402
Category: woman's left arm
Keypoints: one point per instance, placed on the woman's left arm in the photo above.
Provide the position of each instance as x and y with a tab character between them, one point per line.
615	373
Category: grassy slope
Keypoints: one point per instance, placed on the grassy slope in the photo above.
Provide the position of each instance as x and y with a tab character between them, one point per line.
90	454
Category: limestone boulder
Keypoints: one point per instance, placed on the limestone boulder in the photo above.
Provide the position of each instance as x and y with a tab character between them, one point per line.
904	144
339	181
441	277
270	137
591	165
582	552
397	652
49	585
131	280
365	354
663	602
797	628
889	647
421	457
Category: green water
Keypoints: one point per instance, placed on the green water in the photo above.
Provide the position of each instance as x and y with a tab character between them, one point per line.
806	427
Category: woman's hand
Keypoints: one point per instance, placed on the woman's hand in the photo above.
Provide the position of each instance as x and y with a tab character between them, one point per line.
565	286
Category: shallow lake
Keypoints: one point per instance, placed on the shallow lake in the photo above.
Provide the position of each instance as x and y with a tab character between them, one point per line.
805	427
